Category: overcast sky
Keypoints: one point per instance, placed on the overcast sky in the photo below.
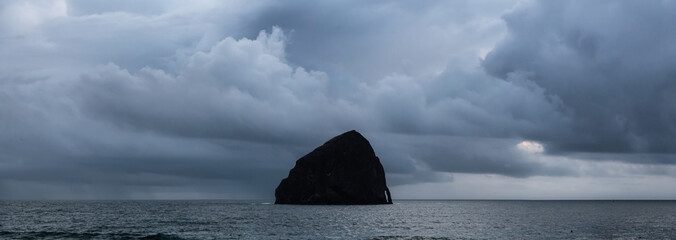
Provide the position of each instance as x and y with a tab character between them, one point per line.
488	99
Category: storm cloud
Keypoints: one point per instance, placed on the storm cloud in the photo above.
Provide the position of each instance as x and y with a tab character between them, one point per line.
216	99
610	63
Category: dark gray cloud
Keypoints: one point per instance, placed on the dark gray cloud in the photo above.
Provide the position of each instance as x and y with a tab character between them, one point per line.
364	42
218	99
611	64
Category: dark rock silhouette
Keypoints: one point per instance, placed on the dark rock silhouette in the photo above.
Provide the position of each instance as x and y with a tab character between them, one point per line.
343	171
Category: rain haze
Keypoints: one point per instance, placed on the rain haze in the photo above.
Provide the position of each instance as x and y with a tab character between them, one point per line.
488	99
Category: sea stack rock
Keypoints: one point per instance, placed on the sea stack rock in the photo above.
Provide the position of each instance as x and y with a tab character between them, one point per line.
343	171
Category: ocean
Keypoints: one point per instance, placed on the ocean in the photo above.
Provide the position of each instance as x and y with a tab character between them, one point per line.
403	220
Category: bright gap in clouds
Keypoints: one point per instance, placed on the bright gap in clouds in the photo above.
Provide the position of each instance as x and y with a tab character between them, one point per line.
531	147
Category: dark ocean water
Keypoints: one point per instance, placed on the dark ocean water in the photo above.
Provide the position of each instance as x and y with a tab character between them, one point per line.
403	220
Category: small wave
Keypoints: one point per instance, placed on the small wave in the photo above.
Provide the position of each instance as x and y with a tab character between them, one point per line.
47	234
161	236
409	238
75	235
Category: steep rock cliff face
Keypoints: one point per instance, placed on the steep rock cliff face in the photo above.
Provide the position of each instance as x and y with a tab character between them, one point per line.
343	171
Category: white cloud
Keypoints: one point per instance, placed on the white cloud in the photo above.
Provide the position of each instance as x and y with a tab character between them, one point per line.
21	18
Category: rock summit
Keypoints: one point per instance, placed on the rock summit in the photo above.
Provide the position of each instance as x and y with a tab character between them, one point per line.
343	171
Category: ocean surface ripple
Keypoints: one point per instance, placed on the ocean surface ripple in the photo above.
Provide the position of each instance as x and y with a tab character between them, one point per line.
402	220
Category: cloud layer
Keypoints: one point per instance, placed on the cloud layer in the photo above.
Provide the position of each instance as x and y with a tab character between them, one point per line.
217	99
